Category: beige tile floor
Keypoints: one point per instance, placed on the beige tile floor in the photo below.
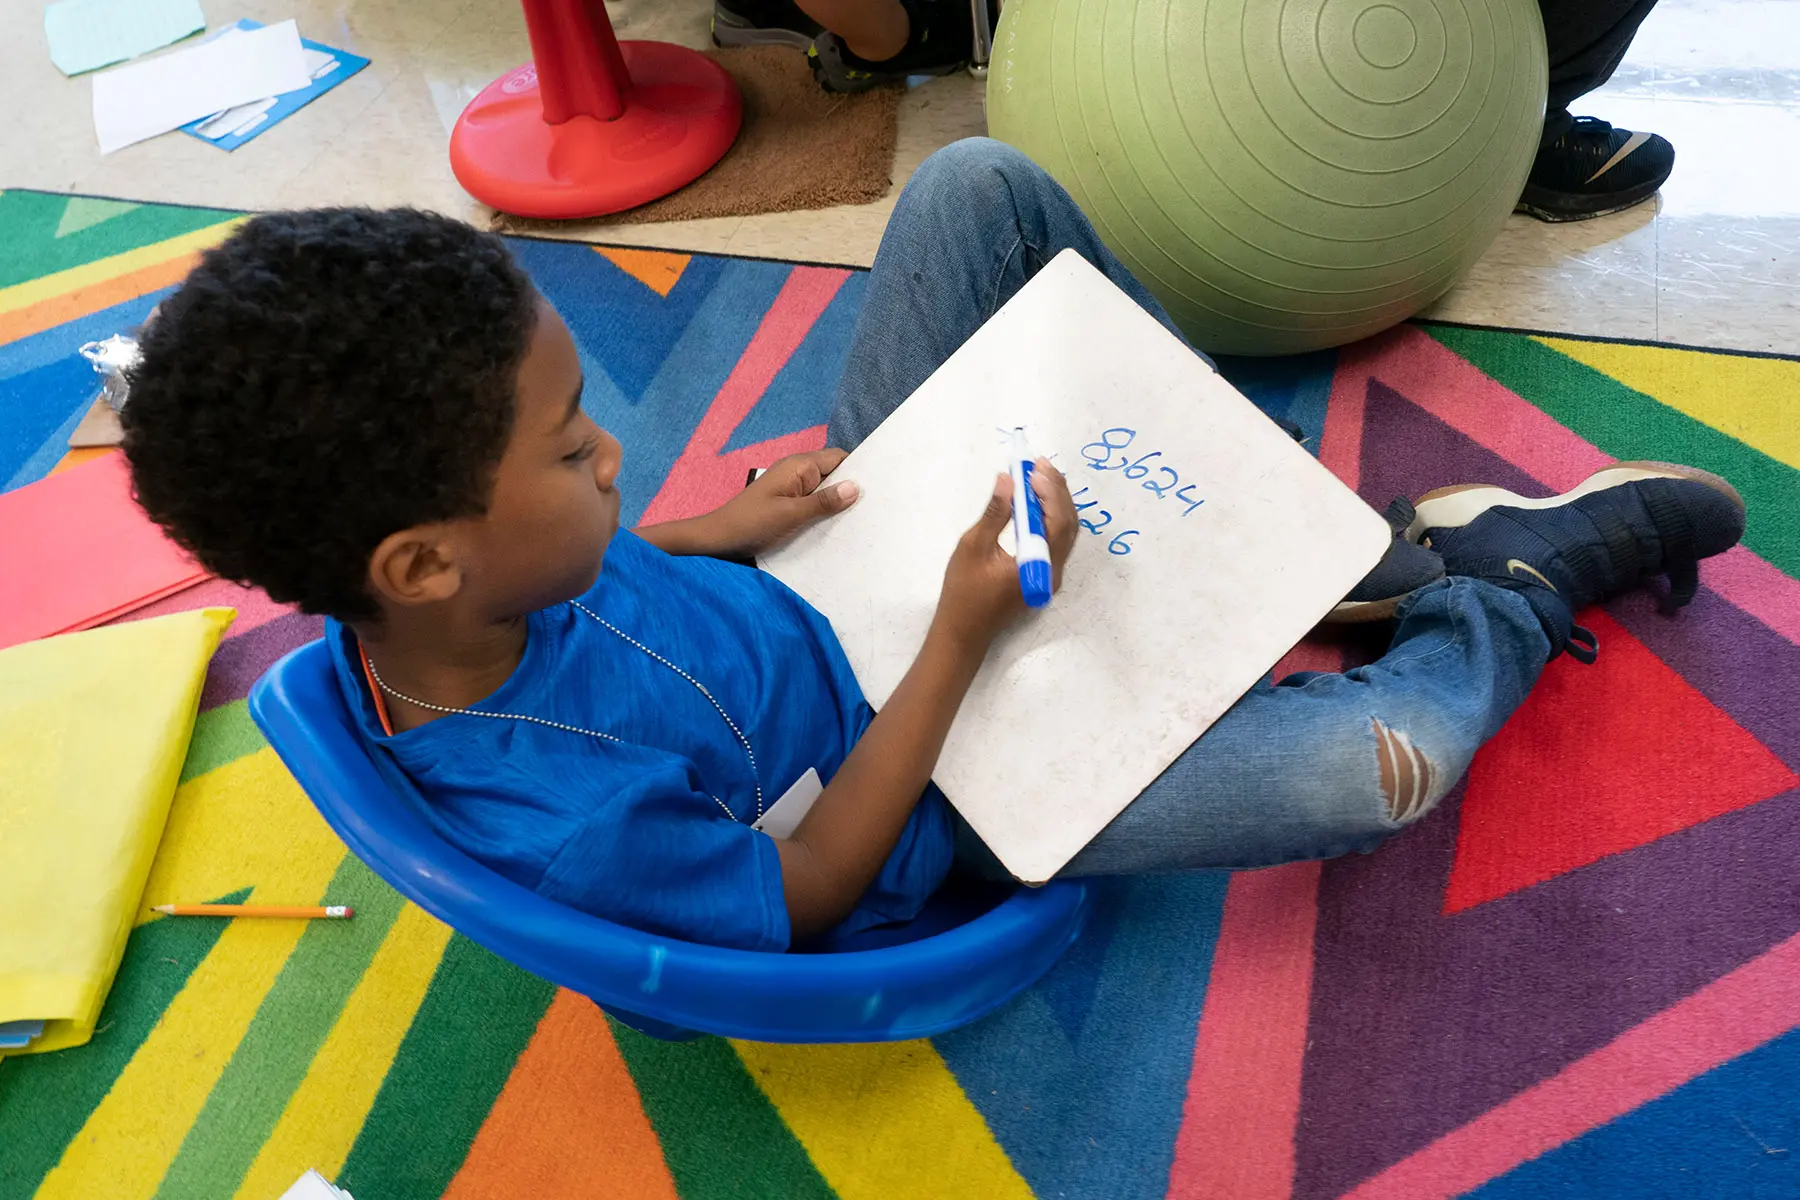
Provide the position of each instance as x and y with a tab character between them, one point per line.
1715	261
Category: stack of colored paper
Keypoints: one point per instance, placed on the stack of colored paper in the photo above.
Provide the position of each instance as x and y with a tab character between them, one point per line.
17	1035
78	551
94	727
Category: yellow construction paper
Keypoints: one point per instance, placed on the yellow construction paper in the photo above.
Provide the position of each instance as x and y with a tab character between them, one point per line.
93	730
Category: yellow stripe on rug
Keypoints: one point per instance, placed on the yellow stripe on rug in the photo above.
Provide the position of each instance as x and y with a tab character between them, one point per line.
45	287
327	1110
132	1136
246	823
1750	399
886	1121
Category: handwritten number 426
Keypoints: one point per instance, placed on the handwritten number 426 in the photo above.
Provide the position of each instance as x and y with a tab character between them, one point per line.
1118	545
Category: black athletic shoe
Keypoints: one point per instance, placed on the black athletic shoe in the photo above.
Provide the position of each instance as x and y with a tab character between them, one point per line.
940	41
1595	169
762	23
1403	570
1625	524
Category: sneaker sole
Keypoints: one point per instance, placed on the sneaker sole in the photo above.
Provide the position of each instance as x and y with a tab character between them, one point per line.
834	78
1454	507
1557	207
728	34
1362	612
859	83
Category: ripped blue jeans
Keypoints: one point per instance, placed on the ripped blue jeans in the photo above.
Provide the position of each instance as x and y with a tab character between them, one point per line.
1311	767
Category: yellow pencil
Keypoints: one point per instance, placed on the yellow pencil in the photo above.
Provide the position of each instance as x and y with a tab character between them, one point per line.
334	911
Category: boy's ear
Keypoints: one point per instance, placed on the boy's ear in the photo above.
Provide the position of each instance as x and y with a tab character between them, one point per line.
416	566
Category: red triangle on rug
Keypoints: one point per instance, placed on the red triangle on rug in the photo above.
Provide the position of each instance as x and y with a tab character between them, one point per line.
1598	760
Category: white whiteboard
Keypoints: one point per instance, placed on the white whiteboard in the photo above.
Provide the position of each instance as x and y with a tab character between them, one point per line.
1157	631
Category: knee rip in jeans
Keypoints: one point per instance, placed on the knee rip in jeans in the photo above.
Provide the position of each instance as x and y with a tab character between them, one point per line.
1408	779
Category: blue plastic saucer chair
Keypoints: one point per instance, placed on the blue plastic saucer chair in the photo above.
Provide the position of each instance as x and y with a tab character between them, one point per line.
972	950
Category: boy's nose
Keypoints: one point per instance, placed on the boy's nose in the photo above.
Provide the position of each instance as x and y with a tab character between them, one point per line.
608	462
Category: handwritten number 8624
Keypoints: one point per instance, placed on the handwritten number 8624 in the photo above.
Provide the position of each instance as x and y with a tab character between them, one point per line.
1106	445
1099	456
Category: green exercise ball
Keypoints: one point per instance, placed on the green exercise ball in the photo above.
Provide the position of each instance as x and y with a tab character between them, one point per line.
1285	175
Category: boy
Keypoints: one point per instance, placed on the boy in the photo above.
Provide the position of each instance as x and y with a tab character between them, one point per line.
374	415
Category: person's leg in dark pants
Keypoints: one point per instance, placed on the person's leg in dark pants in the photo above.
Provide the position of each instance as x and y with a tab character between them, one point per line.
1587	41
1586	167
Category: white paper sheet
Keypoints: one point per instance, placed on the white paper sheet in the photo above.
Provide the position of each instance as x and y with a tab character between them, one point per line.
245	117
143	99
1220	543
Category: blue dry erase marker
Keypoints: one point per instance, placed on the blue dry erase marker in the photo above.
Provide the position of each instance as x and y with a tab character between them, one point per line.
1028	527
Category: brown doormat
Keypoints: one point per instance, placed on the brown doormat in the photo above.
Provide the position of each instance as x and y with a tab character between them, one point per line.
801	147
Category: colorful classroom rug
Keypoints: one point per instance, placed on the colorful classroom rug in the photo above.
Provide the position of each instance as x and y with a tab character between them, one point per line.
1580	977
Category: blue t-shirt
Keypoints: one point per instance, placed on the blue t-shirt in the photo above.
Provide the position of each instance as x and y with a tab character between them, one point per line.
631	832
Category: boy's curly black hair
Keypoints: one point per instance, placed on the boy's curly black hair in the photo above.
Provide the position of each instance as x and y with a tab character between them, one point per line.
321	380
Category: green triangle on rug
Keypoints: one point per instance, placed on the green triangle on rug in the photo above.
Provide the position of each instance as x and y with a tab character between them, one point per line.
85	212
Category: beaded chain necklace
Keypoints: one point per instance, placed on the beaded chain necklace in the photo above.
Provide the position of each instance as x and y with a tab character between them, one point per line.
749	754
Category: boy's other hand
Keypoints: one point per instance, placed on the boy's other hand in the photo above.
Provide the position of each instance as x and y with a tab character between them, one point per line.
784	500
981	593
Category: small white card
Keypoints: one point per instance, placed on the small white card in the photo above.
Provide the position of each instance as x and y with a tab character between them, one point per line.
784	816
314	1186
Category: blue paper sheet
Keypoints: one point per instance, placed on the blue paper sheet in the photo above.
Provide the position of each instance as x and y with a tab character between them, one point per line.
230	129
85	34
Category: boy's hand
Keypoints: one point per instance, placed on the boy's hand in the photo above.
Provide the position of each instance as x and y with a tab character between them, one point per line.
842	842
981	593
784	500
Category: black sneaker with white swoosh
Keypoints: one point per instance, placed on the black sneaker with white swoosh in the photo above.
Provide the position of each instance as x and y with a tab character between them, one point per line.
1595	169
1625	524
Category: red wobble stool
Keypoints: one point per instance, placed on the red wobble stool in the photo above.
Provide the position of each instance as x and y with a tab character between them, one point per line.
592	125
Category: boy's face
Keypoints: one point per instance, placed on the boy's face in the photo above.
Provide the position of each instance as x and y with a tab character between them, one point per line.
554	506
